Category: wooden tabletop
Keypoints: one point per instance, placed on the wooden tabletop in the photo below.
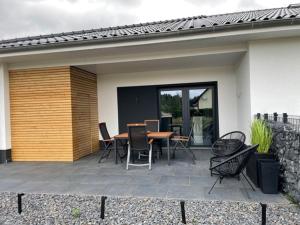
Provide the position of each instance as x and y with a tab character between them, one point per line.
154	135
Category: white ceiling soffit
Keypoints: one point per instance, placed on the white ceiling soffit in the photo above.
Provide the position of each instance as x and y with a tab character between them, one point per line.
213	60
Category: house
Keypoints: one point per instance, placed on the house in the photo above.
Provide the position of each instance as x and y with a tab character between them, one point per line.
55	88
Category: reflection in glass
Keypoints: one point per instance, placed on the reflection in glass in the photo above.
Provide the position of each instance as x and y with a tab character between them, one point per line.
201	115
171	110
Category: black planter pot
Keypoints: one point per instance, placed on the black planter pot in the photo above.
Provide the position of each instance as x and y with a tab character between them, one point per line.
252	166
268	175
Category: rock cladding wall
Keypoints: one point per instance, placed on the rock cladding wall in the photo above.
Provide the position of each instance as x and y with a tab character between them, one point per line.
286	146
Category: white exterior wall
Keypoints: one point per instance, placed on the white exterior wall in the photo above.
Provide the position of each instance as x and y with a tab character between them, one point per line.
243	96
5	139
108	83
275	76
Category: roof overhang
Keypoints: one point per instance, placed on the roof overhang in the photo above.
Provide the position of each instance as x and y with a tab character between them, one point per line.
187	45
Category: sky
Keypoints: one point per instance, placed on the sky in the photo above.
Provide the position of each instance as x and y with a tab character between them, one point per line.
22	18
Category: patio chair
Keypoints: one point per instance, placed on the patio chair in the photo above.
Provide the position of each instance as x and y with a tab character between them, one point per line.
138	142
153	126
227	145
183	142
233	166
107	141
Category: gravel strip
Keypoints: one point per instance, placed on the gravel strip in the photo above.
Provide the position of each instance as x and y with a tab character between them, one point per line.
85	209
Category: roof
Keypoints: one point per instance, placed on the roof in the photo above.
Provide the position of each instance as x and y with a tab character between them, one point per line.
197	24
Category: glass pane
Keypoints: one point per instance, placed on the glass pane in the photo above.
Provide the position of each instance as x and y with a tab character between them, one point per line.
201	114
171	110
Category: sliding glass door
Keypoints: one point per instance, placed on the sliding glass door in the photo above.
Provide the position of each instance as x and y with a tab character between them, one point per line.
186	108
201	115
171	110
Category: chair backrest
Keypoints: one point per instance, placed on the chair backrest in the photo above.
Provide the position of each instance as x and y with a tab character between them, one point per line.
229	144
165	123
244	157
137	137
152	125
103	130
235	164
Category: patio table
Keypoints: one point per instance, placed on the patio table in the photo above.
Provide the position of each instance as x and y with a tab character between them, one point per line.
152	135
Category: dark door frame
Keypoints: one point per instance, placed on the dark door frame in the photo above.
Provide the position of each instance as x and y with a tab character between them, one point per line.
212	84
185	87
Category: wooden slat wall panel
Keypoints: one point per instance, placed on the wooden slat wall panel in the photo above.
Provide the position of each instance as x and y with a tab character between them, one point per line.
41	114
84	112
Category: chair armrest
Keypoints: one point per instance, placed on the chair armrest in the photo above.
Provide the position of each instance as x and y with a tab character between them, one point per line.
183	137
108	140
150	141
234	156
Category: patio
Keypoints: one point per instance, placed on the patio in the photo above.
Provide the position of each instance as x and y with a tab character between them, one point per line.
180	180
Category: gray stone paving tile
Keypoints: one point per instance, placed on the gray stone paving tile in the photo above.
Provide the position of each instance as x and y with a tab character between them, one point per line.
41	187
145	180
99	189
10	185
120	190
105	179
175	180
186	192
143	190
179	180
202	181
226	193
189	171
258	196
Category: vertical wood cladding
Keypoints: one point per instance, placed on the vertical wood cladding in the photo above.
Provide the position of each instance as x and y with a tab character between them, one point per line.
45	104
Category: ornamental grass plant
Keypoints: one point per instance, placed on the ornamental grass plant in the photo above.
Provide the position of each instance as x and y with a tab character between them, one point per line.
261	134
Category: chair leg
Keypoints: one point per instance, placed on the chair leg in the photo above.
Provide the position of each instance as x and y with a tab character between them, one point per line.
193	155
210	163
219	178
119	156
128	157
103	155
174	149
150	157
248	181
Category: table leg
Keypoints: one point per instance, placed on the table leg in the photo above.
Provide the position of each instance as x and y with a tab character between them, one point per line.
168	146
116	153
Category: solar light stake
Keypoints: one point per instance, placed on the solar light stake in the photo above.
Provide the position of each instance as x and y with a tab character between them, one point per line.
20	202
263	213
183	212
103	198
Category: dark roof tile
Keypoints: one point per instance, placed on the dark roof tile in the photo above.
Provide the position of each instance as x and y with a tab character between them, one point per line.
168	26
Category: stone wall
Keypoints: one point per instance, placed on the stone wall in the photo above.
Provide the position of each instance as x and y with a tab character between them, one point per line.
286	146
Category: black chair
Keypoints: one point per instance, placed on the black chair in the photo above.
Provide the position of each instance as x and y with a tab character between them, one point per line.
107	141
183	143
138	142
233	166
227	145
153	126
